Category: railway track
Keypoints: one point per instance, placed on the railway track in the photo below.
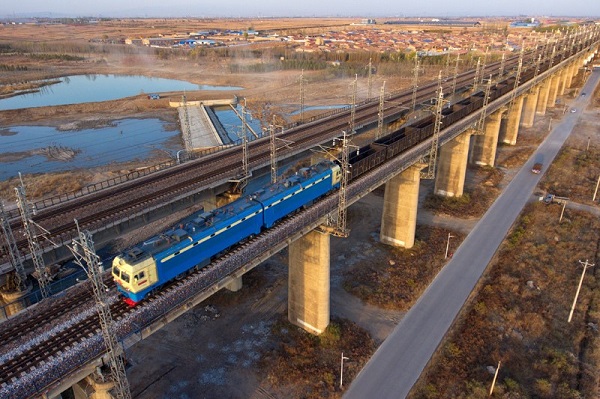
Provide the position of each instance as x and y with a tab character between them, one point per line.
104	207
100	208
55	343
26	326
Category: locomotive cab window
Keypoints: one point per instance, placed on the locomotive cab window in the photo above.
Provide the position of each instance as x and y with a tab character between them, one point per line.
116	271
125	277
139	276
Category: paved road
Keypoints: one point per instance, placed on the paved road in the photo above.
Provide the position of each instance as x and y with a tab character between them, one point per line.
399	361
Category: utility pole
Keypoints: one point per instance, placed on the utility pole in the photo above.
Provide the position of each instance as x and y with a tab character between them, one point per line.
341	230
513	94
494	380
20	276
486	99
535	49
477	73
562	212
245	163
537	66
455	74
241	181
587	148
415	82
448	245
380	115
353	106
32	237
342	369
585	266
596	190
85	255
483	66
370	80
432	158
502	66
273	150
302	96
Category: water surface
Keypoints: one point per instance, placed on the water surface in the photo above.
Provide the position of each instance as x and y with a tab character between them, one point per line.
93	88
25	149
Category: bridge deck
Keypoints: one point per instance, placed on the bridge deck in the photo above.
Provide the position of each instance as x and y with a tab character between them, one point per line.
202	130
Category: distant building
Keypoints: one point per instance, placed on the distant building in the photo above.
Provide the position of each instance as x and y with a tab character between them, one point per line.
135	42
160	41
524	24
436	22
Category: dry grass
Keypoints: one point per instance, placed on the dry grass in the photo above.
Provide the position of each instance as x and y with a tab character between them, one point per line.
397	281
46	185
153	27
579	185
307	366
477	198
519	318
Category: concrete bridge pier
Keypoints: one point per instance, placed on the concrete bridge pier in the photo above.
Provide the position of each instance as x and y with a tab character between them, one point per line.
510	130
563	80
308	282
92	389
543	97
569	75
553	92
400	203
235	285
576	65
572	71
531	100
483	146
15	301
452	166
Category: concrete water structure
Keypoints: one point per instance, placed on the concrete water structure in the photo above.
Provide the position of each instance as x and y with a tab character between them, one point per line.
309	265
199	129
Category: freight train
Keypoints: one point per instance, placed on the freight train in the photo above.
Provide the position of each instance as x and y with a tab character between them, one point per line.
191	245
188	246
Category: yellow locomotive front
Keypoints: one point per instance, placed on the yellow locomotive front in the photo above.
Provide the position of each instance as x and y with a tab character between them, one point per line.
134	276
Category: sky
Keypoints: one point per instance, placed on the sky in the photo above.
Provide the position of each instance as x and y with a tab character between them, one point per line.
297	8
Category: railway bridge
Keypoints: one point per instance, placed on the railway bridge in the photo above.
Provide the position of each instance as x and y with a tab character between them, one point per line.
461	132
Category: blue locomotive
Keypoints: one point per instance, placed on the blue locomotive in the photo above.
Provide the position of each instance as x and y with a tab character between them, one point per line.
151	264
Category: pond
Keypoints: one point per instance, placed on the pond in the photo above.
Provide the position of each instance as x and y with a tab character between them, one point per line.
42	149
93	88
